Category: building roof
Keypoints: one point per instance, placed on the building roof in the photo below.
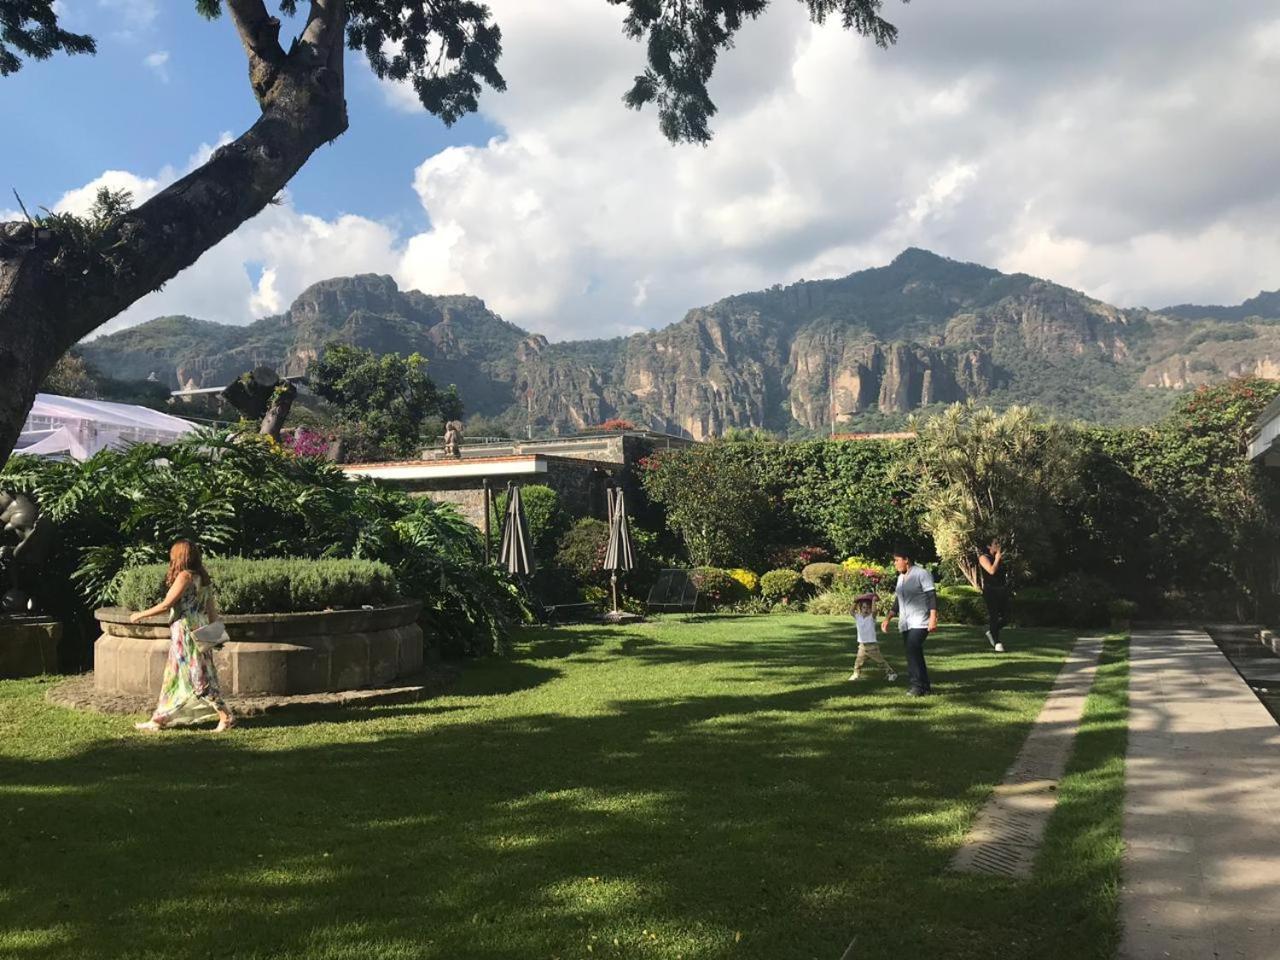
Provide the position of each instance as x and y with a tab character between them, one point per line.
518	465
1266	434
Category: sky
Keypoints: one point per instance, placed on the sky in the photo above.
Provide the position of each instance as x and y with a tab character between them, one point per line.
1128	150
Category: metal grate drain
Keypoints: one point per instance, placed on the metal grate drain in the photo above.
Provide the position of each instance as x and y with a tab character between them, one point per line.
1007	832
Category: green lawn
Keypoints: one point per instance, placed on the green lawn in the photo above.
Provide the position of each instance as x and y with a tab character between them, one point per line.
711	787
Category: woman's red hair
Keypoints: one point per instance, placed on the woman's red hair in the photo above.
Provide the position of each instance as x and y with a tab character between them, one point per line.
185	555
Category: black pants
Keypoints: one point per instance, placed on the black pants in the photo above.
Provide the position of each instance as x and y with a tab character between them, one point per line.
997	601
917	672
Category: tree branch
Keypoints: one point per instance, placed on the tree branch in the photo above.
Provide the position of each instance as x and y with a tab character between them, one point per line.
324	28
260	34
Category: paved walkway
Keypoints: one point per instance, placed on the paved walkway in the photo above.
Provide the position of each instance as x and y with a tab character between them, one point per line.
1202	807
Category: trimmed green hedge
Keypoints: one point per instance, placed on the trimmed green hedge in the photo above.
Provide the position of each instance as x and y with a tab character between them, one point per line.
273	585
961	604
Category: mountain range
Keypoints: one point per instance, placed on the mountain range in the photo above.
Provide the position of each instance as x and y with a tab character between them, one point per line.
865	350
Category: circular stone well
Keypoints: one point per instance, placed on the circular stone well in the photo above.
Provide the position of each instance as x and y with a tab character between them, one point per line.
28	646
269	653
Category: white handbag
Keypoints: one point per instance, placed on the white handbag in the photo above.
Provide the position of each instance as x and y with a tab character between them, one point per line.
211	635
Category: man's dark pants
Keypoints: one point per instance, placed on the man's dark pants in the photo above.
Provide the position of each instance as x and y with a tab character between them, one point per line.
917	672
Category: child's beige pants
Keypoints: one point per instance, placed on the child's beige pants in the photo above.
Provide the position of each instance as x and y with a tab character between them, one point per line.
871	651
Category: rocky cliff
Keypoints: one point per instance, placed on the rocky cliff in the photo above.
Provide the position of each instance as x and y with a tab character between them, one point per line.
880	343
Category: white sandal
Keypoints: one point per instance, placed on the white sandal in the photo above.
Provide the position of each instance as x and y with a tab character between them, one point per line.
149	726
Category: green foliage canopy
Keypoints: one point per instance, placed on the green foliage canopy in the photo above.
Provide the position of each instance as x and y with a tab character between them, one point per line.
382	400
244	496
984	475
713	501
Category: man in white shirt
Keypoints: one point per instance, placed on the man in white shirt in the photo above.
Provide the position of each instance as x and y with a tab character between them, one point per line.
915	604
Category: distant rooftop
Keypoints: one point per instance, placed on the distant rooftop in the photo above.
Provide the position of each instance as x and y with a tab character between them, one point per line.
1264	445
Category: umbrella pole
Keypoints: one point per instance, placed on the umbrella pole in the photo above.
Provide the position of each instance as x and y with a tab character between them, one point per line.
487	495
613	580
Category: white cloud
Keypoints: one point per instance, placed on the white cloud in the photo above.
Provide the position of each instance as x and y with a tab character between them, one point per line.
159	62
80	200
991	133
132	17
1133	159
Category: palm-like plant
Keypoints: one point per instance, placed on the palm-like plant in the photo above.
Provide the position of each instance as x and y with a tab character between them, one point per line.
985	475
245	496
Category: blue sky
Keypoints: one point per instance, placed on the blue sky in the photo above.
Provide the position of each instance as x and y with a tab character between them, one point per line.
114	111
1124	149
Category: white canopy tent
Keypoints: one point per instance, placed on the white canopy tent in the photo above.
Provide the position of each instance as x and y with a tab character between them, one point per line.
69	426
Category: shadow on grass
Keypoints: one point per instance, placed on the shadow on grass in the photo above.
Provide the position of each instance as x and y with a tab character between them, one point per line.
736	824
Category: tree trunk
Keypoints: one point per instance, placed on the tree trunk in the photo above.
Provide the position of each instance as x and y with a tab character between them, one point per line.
273	422
54	293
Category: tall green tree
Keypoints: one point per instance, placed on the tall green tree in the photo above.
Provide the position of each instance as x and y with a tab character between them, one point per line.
714	503
985	475
383	400
57	286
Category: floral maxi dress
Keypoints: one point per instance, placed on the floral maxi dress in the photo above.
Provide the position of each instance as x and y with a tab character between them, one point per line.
189	692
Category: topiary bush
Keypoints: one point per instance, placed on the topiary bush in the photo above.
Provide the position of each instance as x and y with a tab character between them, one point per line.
822	575
961	604
783	587
273	585
546	518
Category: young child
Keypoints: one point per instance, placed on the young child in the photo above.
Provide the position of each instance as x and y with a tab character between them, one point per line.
864	616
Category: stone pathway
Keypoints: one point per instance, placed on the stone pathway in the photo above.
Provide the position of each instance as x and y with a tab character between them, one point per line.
1006	835
1202	807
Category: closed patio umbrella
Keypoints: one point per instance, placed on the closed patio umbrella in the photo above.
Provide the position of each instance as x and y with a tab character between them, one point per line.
516	555
619	553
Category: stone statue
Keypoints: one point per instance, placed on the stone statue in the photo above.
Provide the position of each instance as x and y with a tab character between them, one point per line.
24	541
453	439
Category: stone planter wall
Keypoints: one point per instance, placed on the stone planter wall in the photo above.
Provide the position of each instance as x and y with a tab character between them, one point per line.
269	653
28	646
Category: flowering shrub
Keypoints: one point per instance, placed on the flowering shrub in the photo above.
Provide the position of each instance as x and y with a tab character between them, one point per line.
616	423
749	580
881	571
307	443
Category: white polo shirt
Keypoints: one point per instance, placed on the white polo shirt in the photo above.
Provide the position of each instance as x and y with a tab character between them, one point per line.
914	591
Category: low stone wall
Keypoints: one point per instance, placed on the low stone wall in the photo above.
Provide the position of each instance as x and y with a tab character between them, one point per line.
269	654
28	646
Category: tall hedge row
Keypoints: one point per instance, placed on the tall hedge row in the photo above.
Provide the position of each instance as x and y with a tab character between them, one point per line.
1172	516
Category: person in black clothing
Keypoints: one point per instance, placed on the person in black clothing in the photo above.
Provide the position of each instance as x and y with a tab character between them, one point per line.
994	592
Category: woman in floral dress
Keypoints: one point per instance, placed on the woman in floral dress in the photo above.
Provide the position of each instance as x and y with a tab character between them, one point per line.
189	693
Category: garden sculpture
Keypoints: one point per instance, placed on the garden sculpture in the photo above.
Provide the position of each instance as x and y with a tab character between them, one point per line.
453	439
24	541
